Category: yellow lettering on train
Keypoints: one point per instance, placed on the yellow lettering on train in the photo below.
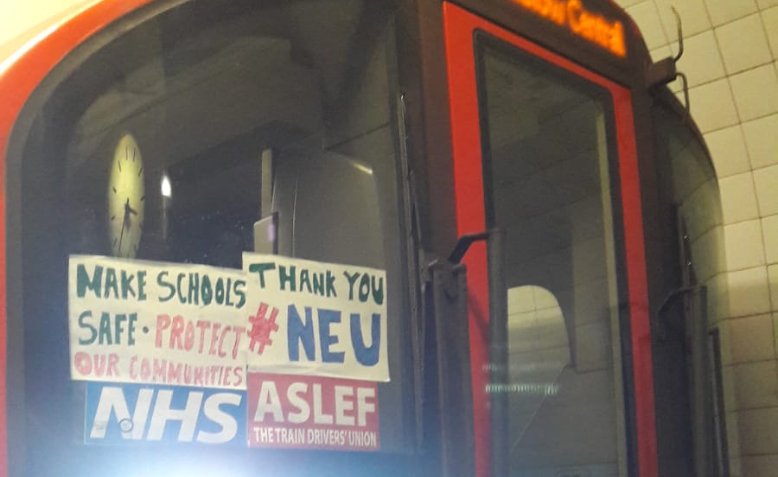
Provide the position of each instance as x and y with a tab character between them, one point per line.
581	22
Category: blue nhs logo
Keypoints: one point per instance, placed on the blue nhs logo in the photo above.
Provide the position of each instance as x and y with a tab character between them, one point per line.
138	413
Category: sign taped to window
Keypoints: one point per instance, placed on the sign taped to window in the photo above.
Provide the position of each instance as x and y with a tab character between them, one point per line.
310	412
278	411
148	322
126	414
192	325
317	319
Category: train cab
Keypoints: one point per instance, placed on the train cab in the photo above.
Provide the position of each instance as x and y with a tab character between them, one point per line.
352	237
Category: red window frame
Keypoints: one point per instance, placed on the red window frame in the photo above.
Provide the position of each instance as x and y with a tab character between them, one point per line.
460	27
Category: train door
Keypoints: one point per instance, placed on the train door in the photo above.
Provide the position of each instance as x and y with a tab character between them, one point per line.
544	153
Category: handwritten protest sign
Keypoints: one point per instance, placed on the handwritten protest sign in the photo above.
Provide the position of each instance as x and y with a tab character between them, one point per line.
150	322
317	319
200	326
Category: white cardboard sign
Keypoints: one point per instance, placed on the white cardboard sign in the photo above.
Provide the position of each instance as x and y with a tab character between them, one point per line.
193	325
147	322
318	319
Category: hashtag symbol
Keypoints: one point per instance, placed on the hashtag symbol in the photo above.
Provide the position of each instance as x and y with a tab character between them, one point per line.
262	328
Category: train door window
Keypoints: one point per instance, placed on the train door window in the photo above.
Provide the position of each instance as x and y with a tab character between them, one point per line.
548	147
194	135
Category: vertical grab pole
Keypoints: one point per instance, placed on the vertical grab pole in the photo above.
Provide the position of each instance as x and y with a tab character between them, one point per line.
498	351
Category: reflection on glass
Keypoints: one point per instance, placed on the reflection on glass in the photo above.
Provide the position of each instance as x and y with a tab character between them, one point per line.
538	352
547	156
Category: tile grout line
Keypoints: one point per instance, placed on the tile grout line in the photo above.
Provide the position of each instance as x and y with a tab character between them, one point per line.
773	54
724	64
756	118
661	24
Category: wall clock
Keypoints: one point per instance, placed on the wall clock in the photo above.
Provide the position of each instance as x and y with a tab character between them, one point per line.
126	196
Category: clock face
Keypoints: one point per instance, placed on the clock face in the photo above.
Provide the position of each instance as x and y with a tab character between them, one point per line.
126	198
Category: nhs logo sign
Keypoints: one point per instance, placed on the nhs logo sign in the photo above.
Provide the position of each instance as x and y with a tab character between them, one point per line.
140	413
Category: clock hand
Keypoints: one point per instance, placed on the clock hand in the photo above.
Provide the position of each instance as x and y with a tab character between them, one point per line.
125	223
121	236
128	209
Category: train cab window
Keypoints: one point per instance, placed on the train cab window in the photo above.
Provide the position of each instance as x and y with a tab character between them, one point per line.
690	398
690	185
209	130
547	153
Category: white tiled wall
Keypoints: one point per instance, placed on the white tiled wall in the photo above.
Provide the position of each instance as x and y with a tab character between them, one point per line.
731	61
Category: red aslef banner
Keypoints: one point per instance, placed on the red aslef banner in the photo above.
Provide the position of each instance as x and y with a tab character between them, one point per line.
310	412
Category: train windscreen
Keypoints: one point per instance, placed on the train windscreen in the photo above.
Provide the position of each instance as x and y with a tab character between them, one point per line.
176	148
